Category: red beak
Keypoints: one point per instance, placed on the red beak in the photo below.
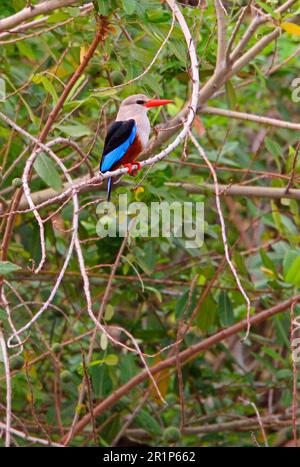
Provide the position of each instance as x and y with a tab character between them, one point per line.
157	102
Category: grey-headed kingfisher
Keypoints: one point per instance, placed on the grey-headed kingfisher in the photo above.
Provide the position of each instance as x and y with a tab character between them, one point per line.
128	135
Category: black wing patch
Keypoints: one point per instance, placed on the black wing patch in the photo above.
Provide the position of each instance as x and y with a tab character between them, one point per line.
119	138
117	134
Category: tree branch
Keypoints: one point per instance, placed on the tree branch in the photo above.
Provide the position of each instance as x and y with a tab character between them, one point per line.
221	55
236	30
37	23
251	118
247	424
255	23
240	190
218	79
32	11
32	439
8	387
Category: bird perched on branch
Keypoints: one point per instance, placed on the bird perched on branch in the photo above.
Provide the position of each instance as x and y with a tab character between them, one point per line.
128	135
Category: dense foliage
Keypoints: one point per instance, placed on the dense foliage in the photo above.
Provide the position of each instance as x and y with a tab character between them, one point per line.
158	282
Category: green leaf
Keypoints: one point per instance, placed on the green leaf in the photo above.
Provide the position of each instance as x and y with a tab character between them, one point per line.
74	88
46	169
28	108
207	314
288	260
286	398
26	50
225	309
103	7
239	261
282	334
74	11
129	6
111	360
7	267
50	88
181	304
292	275
77	130
129	367
58	17
143	265
111	429
277	217
268	9
149	256
185	305
273	354
284	374
157	16
155	291
273	147
146	421
109	312
231	95
267	262
101	381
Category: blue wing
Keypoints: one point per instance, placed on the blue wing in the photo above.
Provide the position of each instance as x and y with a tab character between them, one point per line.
119	138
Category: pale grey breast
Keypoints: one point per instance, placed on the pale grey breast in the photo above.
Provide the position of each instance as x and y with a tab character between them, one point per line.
139	114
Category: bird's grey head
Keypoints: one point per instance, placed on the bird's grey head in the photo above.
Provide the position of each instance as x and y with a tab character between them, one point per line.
136	99
137	106
133	107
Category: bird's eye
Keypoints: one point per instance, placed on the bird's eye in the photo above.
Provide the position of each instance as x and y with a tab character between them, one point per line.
140	102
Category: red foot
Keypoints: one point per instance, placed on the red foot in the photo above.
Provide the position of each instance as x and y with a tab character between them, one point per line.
132	171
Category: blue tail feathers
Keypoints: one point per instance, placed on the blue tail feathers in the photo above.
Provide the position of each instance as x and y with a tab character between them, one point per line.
109	183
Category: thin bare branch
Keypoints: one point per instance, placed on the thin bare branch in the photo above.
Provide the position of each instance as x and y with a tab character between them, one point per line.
240	190
222	45
8	387
32	11
251	118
